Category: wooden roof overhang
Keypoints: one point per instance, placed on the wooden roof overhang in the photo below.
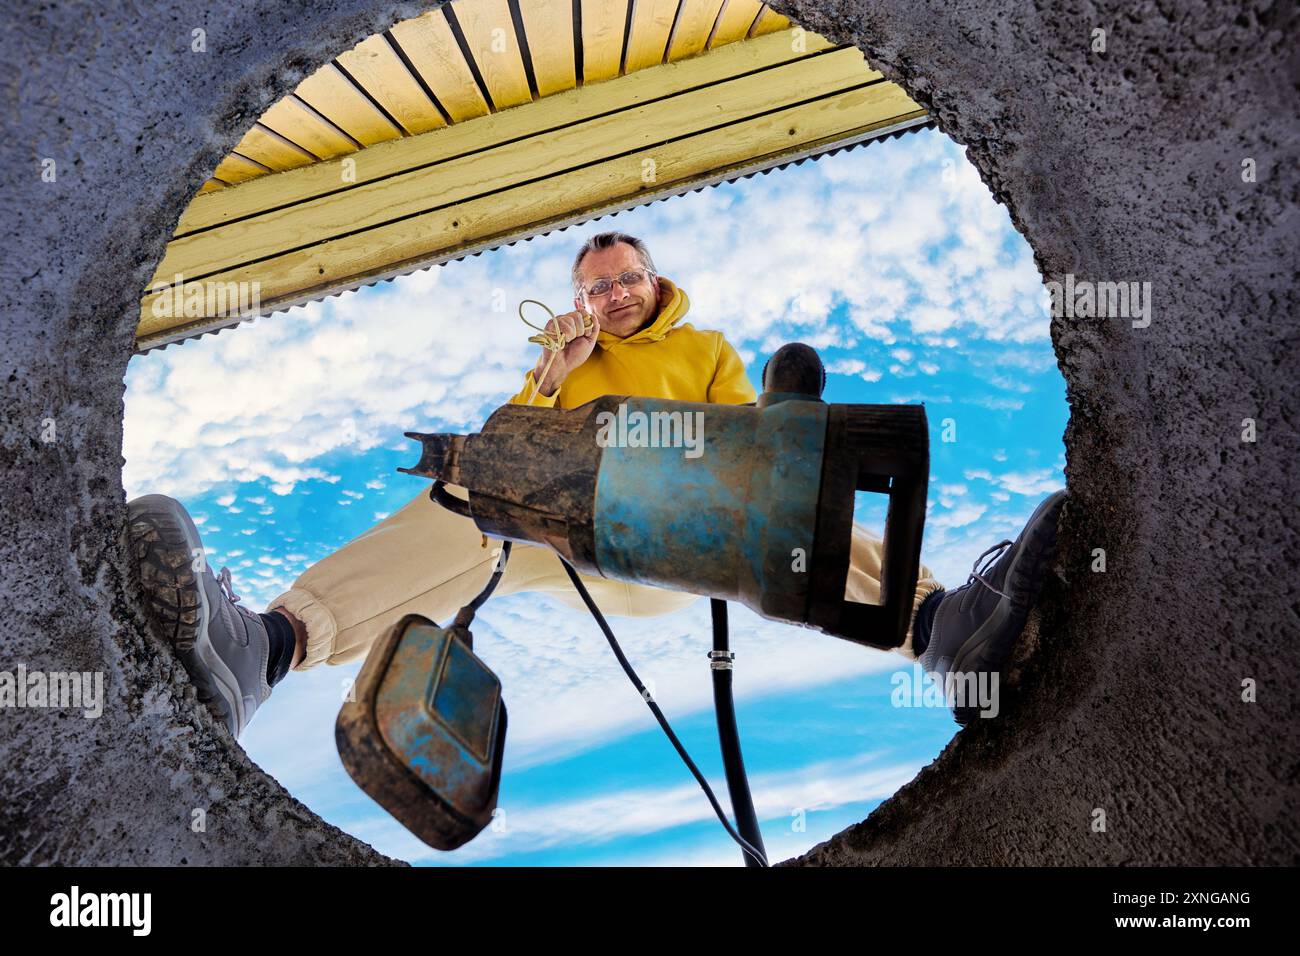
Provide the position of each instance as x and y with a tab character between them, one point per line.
466	129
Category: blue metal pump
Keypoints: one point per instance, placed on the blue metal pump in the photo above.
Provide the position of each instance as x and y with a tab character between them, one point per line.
737	502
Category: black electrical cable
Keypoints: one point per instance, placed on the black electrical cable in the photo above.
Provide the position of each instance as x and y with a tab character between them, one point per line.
442	496
742	803
753	852
491	586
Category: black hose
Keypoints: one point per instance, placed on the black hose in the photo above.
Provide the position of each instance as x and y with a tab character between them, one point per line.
742	803
749	849
440	494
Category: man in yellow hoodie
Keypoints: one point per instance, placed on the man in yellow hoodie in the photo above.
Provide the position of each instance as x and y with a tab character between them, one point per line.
615	283
426	560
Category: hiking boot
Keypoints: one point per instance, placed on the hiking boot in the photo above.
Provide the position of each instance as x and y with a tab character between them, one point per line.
975	626
222	644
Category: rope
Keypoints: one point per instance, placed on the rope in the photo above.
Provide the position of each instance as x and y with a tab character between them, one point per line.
550	339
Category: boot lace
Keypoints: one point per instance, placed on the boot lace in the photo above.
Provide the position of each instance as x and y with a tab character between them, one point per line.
228	588
227	585
977	572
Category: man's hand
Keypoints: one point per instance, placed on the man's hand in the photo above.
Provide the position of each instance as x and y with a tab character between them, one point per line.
577	349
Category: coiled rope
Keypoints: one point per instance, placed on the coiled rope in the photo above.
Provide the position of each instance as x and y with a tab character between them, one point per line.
550	339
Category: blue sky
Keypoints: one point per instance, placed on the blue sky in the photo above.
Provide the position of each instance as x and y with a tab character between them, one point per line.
283	436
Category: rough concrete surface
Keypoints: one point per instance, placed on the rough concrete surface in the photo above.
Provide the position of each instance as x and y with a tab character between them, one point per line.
1124	165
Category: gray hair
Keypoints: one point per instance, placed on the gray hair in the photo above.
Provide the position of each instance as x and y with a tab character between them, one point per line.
604	240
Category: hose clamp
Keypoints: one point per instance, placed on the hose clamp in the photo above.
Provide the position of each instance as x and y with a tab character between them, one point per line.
721	660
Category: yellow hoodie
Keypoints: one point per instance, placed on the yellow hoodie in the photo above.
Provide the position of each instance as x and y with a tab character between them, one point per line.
664	360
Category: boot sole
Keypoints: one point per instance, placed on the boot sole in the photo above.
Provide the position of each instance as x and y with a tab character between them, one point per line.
165	542
1038	542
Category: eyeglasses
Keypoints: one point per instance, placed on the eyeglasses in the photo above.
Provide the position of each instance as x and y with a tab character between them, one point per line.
626	280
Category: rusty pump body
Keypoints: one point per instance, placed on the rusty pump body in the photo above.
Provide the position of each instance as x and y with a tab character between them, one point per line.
759	510
751	503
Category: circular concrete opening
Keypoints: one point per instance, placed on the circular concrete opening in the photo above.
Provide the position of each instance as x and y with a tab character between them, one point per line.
282	437
1136	164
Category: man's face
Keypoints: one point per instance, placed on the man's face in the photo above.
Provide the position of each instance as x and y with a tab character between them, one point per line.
621	311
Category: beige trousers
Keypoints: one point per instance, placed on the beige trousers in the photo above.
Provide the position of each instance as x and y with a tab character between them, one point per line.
426	560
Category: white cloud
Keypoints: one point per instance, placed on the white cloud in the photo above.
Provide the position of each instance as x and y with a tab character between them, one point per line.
593	821
963	514
1038	482
850	366
995	404
1035	483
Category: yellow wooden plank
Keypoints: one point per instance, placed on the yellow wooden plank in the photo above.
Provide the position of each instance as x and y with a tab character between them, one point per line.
548	25
455	180
603	23
736	19
490	35
770	22
275	152
237	169
330	93
694	24
393	157
433	51
652	20
212	185
297	122
531	208
374	65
